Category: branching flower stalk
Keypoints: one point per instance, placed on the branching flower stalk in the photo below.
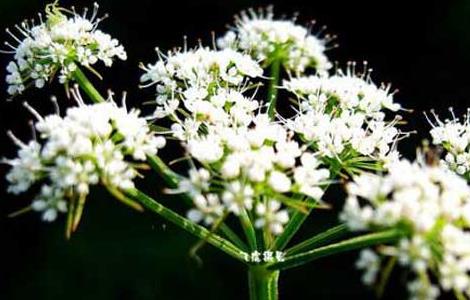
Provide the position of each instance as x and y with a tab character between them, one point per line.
247	162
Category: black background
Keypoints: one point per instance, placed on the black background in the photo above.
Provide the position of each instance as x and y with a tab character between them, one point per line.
424	50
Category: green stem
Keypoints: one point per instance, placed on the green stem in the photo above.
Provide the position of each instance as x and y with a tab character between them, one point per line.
275	72
385	276
320	239
343	246
297	219
87	86
196	230
123	199
233	237
294	224
248	229
171	178
263	283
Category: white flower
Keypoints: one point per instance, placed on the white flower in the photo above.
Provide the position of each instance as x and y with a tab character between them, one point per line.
206	149
90	144
309	177
50	201
208	209
347	89
428	204
279	182
454	136
265	37
247	161
343	116
420	290
57	45
238	197
195	74
370	262
26	167
271	216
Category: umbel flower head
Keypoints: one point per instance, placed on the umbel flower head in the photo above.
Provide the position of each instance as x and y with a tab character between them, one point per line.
343	117
254	169
197	78
61	41
268	39
90	144
454	136
431	205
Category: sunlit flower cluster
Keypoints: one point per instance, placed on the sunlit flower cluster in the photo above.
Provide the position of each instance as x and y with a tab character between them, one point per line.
344	117
57	45
255	168
454	136
431	206
90	144
268	39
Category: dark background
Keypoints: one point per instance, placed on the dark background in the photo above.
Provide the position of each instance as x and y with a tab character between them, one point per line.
424	50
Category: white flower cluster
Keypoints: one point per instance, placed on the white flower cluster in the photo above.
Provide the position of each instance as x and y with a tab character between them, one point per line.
251	168
196	77
55	46
432	207
267	39
343	116
454	136
91	143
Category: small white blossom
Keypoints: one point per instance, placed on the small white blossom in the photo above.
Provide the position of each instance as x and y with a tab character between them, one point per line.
428	203
420	290
370	262
26	167
91	143
266	38
279	182
208	209
194	77
271	216
343	116
238	197
58	44
454	136
50	201
246	161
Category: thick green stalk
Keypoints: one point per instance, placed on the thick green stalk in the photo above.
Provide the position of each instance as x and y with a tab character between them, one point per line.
87	86
273	86
320	239
196	230
263	283
343	246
